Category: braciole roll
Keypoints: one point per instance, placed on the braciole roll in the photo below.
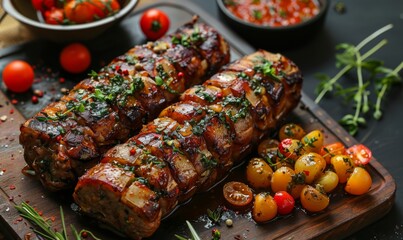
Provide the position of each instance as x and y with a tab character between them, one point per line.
68	137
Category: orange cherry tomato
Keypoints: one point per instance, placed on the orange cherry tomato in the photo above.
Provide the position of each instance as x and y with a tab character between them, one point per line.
75	58
264	208
154	23
359	182
18	76
360	154
107	7
238	195
82	11
332	149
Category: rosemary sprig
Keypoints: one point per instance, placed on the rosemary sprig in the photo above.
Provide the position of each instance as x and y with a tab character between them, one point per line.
351	58
46	230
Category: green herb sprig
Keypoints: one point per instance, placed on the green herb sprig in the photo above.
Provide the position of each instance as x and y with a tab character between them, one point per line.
193	232
382	79
46	229
215	215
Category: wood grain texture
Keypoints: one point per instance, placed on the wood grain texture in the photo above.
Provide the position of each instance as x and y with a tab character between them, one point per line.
345	215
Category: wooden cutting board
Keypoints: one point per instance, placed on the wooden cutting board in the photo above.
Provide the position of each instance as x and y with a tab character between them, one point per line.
345	215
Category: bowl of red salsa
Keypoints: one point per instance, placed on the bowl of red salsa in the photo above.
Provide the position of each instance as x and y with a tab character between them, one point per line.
272	24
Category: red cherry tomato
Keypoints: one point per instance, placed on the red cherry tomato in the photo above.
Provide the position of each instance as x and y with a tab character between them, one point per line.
285	202
75	58
360	154
154	23
54	16
43	5
18	76
237	194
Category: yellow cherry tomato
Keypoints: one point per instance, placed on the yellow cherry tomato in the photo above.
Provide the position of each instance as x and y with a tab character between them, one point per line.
359	182
313	200
329	181
313	141
343	166
312	165
291	130
264	208
258	173
281	179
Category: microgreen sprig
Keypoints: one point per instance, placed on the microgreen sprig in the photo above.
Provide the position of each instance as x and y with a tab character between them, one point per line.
351	58
46	230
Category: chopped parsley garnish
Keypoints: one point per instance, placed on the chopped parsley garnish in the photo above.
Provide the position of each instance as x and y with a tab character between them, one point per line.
163	79
203	94
268	70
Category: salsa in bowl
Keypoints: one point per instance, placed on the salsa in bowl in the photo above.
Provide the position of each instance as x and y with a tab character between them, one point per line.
274	23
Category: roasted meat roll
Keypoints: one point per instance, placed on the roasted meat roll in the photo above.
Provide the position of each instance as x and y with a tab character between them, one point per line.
71	135
191	146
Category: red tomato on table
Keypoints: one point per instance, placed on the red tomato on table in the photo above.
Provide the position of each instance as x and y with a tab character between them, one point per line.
154	23
75	58
18	76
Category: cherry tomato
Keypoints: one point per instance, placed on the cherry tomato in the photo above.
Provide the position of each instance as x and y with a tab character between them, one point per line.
154	23
332	149
18	76
343	166
313	200
282	179
359	182
310	164
264	207
313	141
360	154
285	202
266	146
291	148
75	58
237	194
291	130
258	173
54	16
82	11
108	7
43	5
329	181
